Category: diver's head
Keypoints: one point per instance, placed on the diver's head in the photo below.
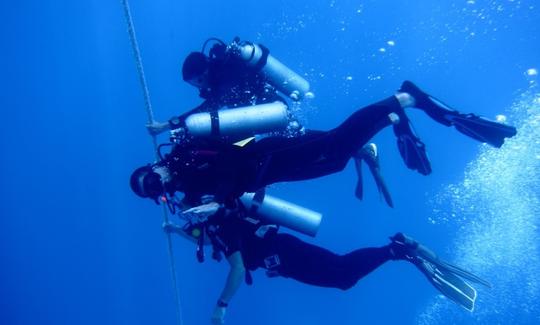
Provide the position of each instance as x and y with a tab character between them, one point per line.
150	181
195	70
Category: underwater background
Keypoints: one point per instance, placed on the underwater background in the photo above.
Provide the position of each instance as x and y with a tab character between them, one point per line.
78	247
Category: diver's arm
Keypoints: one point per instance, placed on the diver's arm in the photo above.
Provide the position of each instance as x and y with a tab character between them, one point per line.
156	128
237	272
236	275
234	280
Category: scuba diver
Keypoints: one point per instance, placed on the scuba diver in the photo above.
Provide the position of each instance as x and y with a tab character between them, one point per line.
206	166
239	83
248	245
239	74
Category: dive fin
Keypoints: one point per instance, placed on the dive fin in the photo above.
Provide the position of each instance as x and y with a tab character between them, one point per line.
445	277
370	156
450	285
411	148
462	273
476	127
482	129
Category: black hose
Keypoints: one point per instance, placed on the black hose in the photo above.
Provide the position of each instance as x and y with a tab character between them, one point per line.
159	149
210	40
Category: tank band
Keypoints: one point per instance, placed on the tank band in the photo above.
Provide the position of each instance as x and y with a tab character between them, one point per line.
214	120
264	58
258	199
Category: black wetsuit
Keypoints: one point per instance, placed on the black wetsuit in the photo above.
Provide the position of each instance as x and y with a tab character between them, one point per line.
288	256
227	171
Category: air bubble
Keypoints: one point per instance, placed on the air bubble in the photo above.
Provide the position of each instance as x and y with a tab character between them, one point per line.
500	118
532	72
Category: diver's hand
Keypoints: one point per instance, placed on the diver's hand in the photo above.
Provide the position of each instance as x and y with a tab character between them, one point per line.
156	128
218	317
203	211
169	227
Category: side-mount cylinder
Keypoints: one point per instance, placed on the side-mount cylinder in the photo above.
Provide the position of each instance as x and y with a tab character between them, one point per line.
279	75
239	122
276	211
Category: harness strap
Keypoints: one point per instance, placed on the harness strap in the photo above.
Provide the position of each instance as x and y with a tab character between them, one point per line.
258	198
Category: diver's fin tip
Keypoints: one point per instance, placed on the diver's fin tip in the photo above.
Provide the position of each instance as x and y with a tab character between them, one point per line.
448	279
482	129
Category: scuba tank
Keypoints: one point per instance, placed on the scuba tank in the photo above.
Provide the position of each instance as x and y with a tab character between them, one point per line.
276	211
280	76
238	122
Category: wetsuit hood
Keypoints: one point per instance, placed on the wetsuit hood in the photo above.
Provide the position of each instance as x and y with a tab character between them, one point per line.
195	64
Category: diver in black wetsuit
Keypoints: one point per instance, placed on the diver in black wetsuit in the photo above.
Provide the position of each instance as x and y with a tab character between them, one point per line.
226	171
285	255
249	245
224	80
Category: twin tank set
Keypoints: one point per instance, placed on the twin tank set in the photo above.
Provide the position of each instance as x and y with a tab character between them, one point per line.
259	119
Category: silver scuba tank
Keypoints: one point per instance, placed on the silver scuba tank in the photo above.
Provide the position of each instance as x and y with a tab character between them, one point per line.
273	210
242	121
280	76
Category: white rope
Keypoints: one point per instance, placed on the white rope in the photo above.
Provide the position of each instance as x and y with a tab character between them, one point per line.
150	113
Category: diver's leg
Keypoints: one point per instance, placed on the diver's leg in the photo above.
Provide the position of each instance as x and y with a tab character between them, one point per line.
318	266
359	263
347	139
363	124
322	153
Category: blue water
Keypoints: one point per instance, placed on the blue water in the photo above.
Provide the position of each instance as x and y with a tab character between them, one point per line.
77	247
